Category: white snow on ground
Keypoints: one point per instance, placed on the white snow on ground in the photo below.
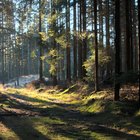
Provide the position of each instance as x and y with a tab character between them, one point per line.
23	80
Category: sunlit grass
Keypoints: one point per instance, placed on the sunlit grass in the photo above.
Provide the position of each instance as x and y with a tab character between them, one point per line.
99	136
7	133
44	126
57	124
138	113
95	107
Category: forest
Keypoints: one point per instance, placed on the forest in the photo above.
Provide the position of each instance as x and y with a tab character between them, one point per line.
69	69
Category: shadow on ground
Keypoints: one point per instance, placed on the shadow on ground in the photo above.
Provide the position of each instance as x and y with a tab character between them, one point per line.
76	125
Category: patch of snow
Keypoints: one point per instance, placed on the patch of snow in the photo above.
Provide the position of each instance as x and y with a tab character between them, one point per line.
23	80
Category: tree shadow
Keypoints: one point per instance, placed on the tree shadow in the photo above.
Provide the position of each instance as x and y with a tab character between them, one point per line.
26	98
14	102
30	99
85	133
75	118
77	124
90	122
23	128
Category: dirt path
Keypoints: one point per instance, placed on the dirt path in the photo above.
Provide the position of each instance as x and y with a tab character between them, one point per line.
21	113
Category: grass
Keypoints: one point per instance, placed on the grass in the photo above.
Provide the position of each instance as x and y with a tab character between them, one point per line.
66	115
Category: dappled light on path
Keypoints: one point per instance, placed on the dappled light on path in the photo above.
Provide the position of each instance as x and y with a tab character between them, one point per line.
4	130
29	114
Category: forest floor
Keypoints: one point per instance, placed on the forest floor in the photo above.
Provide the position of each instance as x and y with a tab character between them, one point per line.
76	113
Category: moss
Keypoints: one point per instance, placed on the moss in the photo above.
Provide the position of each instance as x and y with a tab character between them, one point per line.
71	115
99	136
95	107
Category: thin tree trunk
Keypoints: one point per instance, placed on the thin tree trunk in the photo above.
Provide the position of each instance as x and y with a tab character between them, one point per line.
134	36
139	46
54	77
68	41
40	48
2	51
80	45
100	24
75	43
85	38
128	36
117	49
107	37
96	47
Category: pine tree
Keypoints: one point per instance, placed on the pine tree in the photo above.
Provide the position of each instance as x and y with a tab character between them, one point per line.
139	46
41	49
96	46
117	49
84	41
80	62
74	41
129	51
68	53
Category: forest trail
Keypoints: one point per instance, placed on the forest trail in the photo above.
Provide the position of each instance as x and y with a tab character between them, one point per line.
26	114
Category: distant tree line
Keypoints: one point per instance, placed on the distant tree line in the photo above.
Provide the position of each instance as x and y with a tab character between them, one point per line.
96	41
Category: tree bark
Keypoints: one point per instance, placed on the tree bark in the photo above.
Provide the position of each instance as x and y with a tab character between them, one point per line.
117	49
96	47
68	55
40	48
108	36
80	44
139	46
85	38
128	36
101	34
75	43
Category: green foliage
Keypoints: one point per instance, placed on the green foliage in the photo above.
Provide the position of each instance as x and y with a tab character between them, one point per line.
52	59
33	54
89	64
18	40
52	18
61	40
51	33
52	39
43	36
83	35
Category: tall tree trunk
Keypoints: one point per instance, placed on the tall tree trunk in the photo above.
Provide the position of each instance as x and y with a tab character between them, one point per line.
80	44
134	36
139	46
117	49
85	38
123	35
2	50
96	46
53	12
40	48
128	36
100	23
68	41
108	36
55	75
74	43
28	56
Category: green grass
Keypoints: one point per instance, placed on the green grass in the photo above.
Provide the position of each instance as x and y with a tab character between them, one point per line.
67	115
